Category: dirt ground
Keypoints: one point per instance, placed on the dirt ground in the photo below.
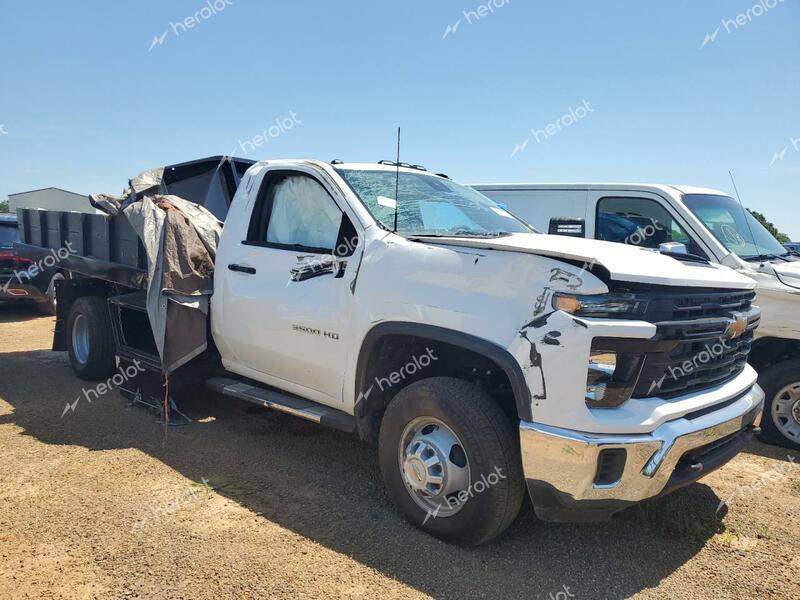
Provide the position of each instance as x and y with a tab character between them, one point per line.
245	503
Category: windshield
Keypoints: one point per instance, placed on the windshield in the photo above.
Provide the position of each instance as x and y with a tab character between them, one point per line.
725	218
430	205
8	235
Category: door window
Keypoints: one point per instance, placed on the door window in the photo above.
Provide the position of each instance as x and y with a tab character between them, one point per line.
640	222
295	212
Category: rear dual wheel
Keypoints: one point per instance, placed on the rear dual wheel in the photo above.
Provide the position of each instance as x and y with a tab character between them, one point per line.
92	350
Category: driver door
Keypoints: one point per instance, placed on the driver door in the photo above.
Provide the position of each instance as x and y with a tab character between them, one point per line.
287	299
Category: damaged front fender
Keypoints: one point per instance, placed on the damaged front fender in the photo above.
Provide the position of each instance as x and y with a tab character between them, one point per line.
553	350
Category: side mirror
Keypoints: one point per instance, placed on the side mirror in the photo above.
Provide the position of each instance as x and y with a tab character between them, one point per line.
673	248
569	226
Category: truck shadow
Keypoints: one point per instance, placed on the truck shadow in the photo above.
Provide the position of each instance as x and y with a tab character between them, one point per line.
18	311
767	450
326	486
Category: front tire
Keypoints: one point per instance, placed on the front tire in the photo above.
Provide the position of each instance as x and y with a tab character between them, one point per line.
92	351
450	461
780	424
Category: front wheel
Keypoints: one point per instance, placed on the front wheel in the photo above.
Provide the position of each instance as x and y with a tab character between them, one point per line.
781	420
450	460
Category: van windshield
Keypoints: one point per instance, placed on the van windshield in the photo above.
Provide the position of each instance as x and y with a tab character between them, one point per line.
726	220
430	205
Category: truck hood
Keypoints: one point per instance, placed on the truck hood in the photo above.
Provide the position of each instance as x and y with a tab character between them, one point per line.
788	273
623	262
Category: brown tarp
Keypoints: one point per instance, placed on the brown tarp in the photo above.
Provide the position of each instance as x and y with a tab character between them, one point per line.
180	240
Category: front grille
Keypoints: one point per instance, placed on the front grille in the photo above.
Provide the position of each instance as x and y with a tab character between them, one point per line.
690	351
680	367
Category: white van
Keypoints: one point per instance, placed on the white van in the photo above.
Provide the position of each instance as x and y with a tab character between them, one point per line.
702	222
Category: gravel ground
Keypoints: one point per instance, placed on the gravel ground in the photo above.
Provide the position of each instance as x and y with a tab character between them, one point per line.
245	503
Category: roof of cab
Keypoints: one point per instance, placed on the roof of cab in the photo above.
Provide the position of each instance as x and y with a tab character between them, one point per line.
351	165
605	186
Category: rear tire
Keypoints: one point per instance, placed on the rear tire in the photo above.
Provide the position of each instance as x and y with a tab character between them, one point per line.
48	306
470	443
780	424
92	351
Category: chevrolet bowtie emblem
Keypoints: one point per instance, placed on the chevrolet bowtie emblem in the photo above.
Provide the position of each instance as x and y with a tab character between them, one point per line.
737	325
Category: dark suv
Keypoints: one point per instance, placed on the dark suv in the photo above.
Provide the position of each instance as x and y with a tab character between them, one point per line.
20	279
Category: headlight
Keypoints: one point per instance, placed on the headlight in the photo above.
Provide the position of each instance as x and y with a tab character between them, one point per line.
613	374
601	305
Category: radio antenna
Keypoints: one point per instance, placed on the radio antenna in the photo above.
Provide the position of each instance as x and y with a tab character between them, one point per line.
746	219
397	183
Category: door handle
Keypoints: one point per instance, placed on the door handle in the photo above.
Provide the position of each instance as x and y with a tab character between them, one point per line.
242	269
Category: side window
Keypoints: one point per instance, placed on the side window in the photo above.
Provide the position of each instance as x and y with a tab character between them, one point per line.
295	211
640	222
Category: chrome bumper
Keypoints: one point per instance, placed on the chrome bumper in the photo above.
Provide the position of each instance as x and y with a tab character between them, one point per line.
562	467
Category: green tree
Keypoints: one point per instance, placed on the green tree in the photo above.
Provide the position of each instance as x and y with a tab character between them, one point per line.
3	205
781	237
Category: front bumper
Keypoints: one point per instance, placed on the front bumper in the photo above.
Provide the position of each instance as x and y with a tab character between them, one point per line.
575	476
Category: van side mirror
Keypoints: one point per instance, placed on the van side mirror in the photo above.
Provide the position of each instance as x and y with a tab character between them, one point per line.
673	248
568	226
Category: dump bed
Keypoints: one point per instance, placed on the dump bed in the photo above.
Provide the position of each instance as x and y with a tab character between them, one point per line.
107	247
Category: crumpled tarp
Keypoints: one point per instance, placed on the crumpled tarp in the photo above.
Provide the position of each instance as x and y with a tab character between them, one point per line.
180	240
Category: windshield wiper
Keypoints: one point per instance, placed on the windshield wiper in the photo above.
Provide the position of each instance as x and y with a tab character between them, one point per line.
763	257
471	233
462	233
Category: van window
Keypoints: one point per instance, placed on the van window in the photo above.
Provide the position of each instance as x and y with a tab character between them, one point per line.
640	222
8	235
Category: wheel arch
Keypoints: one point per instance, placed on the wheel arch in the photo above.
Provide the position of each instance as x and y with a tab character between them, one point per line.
392	343
769	351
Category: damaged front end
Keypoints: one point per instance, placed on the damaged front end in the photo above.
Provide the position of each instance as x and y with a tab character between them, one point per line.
634	391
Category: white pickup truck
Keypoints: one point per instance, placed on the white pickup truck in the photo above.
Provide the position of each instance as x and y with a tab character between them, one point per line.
709	224
481	357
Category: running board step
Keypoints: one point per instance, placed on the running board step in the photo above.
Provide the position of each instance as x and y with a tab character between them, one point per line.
293	405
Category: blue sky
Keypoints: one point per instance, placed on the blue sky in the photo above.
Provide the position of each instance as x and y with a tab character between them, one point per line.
86	103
